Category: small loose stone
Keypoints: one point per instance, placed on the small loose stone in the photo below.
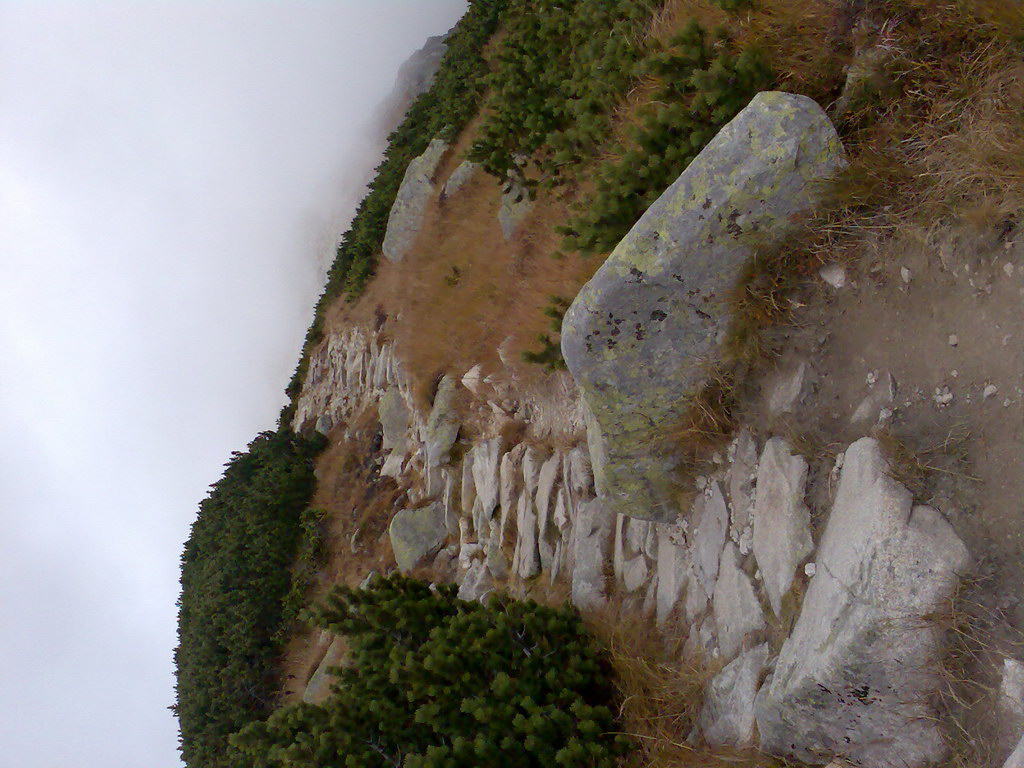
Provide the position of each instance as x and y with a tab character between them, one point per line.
990	391
810	569
834	275
905	275
953	339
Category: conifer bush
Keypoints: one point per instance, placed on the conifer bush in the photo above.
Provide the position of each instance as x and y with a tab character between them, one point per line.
705	82
562	66
436	682
236	575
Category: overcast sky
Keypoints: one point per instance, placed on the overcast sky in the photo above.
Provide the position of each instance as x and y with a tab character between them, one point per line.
173	177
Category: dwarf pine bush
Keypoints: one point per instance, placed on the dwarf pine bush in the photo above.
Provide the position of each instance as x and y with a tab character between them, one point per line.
436	682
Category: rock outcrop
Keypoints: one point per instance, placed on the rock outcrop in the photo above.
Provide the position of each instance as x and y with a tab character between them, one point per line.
854	677
639	334
407	212
459	177
515	205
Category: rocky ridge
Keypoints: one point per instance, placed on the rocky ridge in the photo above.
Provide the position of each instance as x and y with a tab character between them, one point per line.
749	556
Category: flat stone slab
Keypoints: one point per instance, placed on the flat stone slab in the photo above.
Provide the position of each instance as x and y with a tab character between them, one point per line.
515	205
855	677
443	423
394	420
640	333
782	522
727	719
416	534
737	611
318	688
710	520
590	544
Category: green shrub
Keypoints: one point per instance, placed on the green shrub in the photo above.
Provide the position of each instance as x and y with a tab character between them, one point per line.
562	66
433	681
705	83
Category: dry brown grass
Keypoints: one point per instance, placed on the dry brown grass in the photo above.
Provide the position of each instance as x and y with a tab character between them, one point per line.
976	637
708	421
914	467
464	288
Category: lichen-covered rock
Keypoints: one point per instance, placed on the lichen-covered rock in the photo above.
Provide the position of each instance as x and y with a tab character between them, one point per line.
407	212
639	334
417	534
511	481
742	475
443	424
782	522
634	573
526	557
855	677
486	461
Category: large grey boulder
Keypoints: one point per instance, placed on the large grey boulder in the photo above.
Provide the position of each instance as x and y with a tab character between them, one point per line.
442	424
413	195
640	333
782	534
855	677
416	534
